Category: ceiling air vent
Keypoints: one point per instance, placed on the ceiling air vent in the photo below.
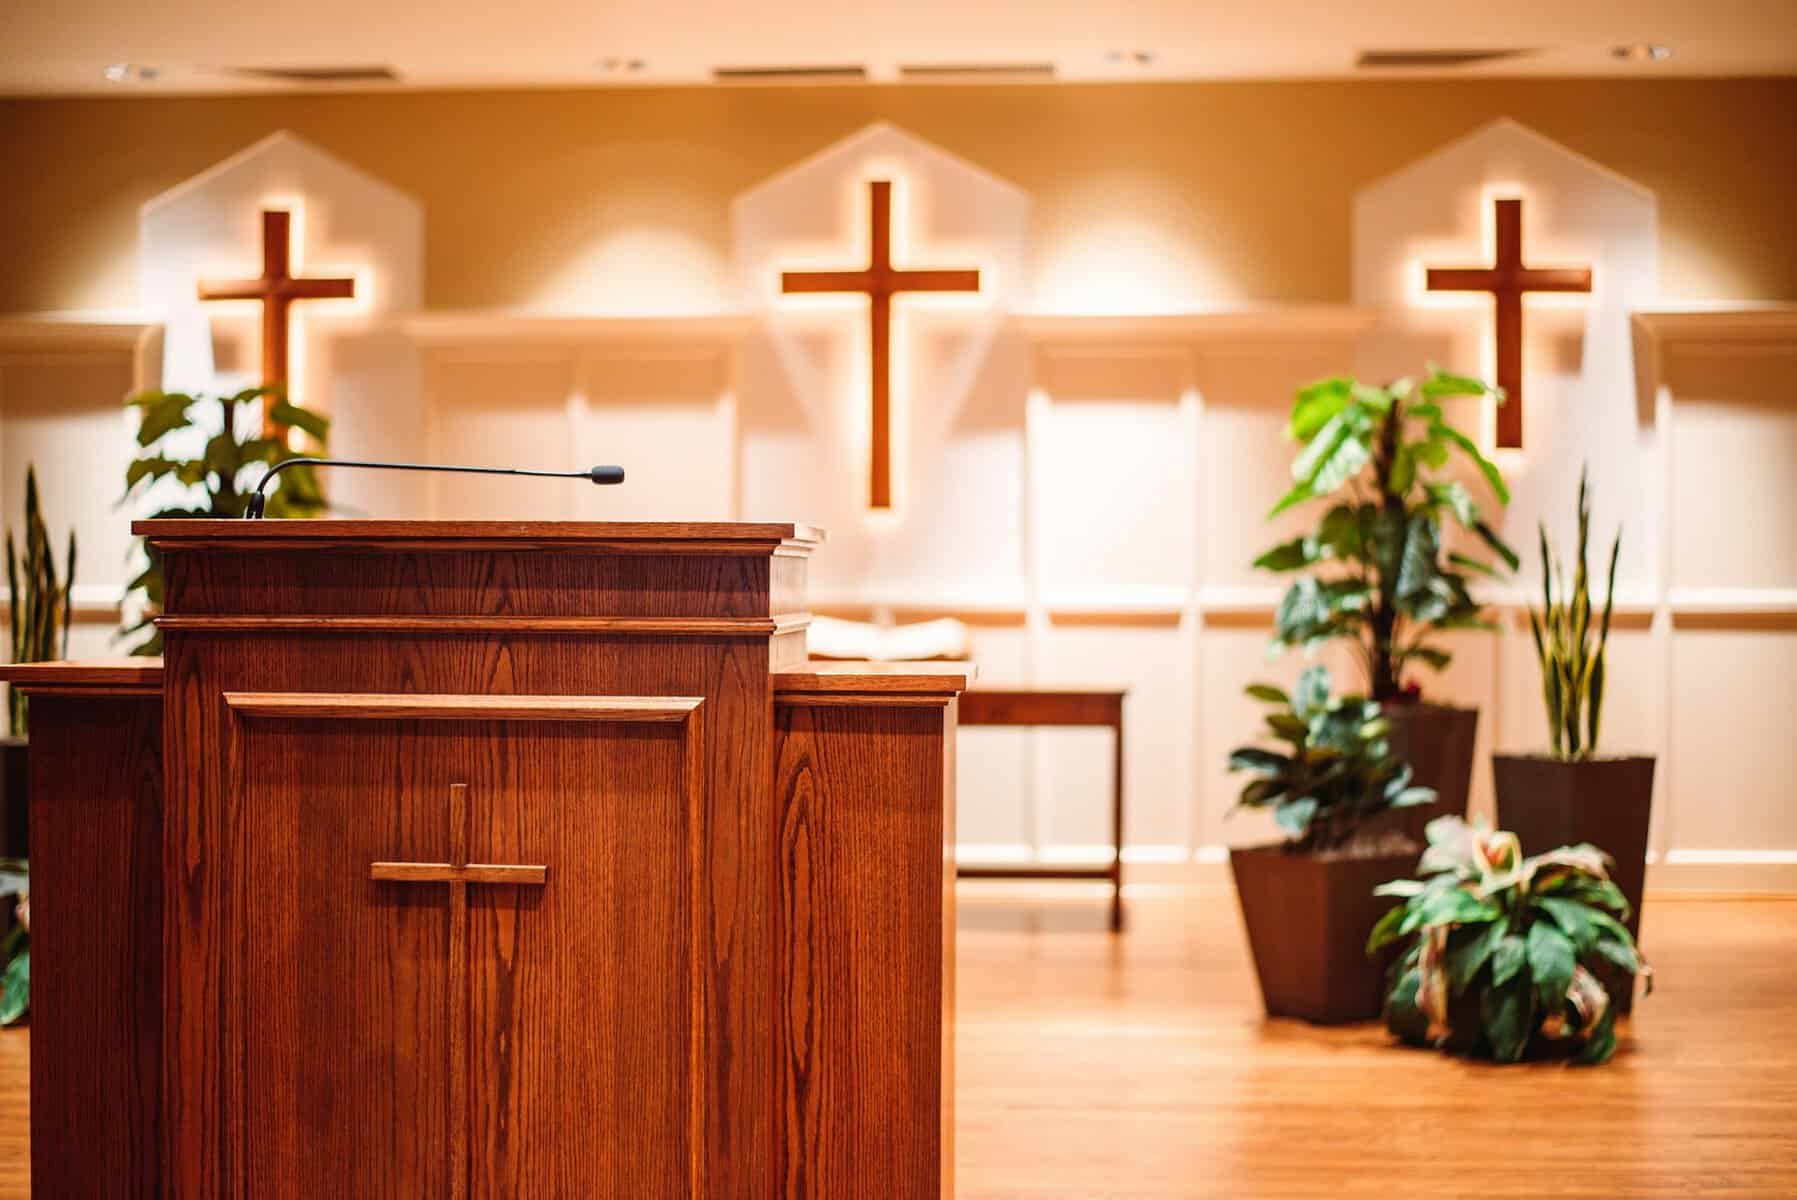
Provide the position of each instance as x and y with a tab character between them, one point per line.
975	72
823	74
319	74
1435	59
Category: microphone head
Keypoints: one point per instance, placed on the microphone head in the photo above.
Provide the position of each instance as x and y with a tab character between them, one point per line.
606	474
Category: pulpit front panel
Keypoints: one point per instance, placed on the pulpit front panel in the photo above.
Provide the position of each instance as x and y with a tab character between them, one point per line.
460	957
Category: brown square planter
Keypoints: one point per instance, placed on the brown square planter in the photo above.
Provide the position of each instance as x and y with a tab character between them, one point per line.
1549	802
1308	918
1437	741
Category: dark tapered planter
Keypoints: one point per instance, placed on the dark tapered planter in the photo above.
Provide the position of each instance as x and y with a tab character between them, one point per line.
1308	918
1548	802
1437	741
15	798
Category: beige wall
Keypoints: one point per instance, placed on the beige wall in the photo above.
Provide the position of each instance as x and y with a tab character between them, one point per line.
1246	185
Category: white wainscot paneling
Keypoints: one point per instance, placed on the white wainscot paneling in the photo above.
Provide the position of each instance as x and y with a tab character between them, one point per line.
1732	753
1734	443
1073	767
1112	473
995	811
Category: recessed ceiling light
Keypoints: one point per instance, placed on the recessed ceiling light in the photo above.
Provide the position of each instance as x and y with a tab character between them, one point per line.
129	73
1130	58
621	65
1642	52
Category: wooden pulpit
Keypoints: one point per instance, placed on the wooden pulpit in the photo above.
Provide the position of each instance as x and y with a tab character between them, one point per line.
490	860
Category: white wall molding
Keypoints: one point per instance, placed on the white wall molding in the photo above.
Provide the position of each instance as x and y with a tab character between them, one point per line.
503	327
1734	327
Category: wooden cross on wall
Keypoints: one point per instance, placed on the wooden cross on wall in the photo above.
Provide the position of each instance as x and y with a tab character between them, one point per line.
1507	280
880	281
277	289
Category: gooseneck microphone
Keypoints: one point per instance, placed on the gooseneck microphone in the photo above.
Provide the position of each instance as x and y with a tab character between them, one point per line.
258	499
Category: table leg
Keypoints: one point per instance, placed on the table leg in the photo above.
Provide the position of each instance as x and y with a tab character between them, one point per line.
1117	825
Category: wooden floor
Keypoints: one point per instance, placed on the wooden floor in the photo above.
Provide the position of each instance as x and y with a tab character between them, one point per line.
1140	1067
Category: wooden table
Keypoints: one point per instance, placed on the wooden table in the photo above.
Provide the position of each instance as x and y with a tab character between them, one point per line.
1041	706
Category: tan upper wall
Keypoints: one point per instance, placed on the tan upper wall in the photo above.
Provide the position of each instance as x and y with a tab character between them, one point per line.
1253	180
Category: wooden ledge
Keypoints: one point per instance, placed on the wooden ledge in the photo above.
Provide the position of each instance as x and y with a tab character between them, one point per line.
123	677
864	683
622	537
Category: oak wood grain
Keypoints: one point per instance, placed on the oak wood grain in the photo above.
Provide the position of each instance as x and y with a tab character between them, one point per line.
733	929
377	706
681	536
865	1032
136	673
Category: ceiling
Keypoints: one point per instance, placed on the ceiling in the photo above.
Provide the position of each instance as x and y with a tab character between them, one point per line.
64	46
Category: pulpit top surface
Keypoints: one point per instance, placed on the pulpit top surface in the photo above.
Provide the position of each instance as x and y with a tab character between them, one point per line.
473	533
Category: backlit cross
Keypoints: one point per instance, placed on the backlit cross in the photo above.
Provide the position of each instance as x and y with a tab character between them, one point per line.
277	289
458	873
1507	280
880	281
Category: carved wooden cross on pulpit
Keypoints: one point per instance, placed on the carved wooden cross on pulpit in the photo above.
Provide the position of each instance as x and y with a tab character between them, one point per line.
458	874
277	289
880	281
1507	280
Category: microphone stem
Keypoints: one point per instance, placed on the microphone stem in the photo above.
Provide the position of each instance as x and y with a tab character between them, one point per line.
258	499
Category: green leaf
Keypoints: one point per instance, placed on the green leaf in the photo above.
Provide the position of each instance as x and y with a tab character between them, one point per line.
1551	960
1573	918
1444	383
315	424
1456	499
1316	404
1602	1043
1499	546
1298	495
1287	556
1295	816
1268	693
1507	1014
1343	463
1457	907
1618	952
1312	695
1486	467
1508	959
1385	930
1318	450
15	988
1464	961
1411	797
1404	888
1253	758
1285	725
163	413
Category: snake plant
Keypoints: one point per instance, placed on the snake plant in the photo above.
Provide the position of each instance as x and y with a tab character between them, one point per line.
1571	656
40	602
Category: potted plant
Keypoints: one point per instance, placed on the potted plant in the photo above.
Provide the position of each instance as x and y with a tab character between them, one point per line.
40	610
1503	950
1377	569
1308	902
216	471
1571	793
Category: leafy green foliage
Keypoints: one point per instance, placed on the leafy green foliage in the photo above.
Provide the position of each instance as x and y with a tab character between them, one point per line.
42	604
1335	767
1571	654
1375	569
220	480
15	949
1502	948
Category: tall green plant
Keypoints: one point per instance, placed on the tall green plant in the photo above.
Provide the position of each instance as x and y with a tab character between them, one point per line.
1572	664
219	472
1376	569
41	604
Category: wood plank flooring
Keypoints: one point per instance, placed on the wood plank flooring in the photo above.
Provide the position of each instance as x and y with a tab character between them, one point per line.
1140	1068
